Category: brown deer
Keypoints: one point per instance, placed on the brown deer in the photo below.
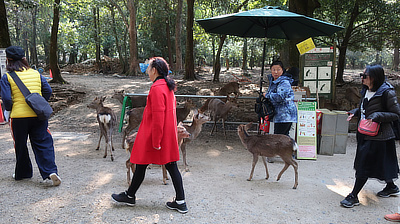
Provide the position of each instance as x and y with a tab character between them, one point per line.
269	145
135	117
219	110
194	129
107	120
232	87
137	101
182	113
182	134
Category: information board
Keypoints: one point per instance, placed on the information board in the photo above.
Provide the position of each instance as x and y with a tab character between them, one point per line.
317	71
307	130
3	61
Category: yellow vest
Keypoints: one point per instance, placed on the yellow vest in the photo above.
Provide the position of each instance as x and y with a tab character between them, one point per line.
31	79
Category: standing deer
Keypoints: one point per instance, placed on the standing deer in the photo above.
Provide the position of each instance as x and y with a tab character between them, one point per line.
137	101
182	113
182	134
194	129
270	145
107	120
135	117
219	110
232	87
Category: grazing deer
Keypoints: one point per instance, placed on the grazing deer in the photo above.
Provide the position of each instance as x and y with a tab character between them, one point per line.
182	134
137	101
107	120
268	146
219	110
135	117
232	87
182	113
194	129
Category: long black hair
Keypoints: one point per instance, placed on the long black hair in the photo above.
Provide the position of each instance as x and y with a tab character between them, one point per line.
377	73
162	67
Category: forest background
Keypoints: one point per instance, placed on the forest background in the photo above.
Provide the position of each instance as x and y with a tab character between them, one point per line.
61	32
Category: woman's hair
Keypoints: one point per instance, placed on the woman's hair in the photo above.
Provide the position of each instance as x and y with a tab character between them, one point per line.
377	73
17	65
278	63
162	67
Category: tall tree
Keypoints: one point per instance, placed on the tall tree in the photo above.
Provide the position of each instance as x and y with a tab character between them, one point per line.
96	21
133	49
189	59
4	34
178	31
55	69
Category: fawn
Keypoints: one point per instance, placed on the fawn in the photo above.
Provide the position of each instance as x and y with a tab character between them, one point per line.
268	146
226	90
182	134
219	110
106	119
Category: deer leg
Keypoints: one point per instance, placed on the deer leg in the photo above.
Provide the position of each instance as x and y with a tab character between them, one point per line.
98	144
255	160
183	149
223	126
266	168
128	172
282	171
127	130
296	178
214	127
165	175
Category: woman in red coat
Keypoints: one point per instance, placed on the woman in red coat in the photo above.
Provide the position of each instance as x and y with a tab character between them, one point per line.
157	141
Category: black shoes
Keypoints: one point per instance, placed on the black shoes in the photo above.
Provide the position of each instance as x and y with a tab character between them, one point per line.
178	207
350	201
123	198
387	192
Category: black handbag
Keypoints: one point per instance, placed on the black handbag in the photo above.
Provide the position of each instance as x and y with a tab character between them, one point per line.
264	107
37	102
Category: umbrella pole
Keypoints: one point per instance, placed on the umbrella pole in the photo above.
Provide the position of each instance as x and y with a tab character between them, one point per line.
261	79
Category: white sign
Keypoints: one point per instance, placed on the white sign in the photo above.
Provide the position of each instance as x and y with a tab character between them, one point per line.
3	62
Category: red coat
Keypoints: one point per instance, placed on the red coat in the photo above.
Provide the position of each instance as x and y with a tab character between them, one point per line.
158	128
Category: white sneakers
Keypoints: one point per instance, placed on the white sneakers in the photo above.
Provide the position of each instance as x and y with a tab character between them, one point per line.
55	178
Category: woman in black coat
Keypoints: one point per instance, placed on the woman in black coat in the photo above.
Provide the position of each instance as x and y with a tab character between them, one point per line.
376	155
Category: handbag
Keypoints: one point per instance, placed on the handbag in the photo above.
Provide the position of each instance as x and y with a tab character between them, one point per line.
37	102
264	107
368	129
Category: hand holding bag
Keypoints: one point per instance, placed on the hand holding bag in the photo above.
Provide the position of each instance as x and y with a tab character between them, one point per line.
38	104
368	129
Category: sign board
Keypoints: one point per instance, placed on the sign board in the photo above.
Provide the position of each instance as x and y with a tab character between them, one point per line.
317	71
3	61
307	130
305	46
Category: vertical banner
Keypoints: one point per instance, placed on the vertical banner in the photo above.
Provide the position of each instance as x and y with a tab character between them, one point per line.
2	61
307	130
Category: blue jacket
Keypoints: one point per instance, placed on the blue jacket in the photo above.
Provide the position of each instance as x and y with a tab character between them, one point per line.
281	95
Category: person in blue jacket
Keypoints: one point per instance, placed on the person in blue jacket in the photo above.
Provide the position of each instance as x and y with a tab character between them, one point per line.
23	120
281	95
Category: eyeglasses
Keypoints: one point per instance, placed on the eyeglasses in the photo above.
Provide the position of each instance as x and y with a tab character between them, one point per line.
363	75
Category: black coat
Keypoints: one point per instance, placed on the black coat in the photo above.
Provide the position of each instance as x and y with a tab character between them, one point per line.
383	108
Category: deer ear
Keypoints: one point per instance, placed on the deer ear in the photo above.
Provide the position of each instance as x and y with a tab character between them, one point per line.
103	98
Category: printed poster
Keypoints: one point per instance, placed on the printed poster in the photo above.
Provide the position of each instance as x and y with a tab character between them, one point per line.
307	130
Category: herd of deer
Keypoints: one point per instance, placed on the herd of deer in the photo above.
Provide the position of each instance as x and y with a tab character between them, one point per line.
259	145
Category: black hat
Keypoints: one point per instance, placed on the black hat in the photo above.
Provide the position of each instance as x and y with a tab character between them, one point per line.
15	52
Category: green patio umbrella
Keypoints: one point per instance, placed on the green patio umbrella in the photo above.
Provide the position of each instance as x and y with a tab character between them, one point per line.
268	22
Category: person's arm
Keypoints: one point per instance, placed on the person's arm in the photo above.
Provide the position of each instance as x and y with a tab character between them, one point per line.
158	107
46	89
6	93
392	113
282	92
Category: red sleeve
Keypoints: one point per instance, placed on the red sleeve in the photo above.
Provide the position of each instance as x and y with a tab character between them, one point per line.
158	108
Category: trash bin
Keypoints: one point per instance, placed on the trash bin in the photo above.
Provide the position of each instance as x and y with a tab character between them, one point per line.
342	130
328	132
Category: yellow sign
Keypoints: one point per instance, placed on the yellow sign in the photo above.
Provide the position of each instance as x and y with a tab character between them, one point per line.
305	46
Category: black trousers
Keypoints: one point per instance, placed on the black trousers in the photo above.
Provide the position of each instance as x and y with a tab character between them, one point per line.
173	171
282	128
42	146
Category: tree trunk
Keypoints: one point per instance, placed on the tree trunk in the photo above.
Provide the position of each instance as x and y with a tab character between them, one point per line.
34	56
117	42
244	52
96	20
396	59
53	45
189	59
178	31
168	35
4	34
133	61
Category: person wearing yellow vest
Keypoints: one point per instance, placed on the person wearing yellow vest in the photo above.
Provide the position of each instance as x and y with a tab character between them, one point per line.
23	120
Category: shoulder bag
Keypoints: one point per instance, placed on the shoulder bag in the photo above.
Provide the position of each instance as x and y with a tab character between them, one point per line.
368	129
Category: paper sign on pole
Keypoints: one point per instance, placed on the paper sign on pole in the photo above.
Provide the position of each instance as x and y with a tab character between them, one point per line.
307	130
305	46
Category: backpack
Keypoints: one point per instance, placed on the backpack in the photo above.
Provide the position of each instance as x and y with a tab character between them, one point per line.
264	107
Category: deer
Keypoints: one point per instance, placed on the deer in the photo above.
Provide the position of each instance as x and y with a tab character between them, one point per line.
182	134
137	101
107	120
182	113
135	118
226	90
219	110
194	129
269	145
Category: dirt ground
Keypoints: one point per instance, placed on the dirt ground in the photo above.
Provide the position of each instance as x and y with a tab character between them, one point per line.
216	187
